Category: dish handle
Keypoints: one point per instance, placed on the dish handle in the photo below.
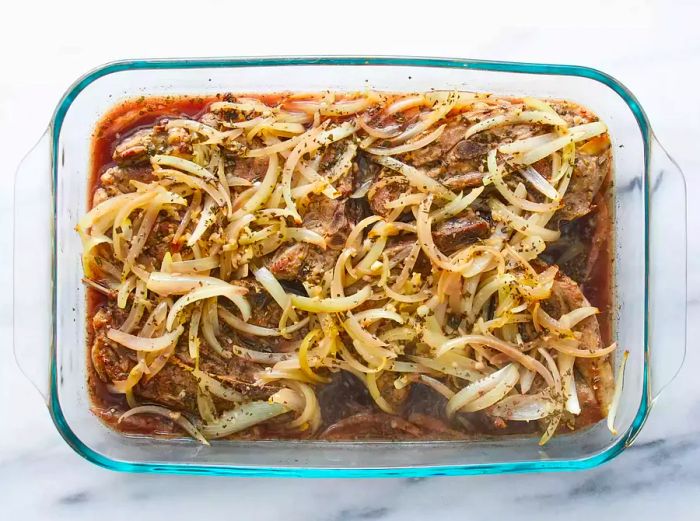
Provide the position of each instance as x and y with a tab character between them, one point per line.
667	269
33	262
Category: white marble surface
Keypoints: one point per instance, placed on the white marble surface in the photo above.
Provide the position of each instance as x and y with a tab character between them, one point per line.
652	47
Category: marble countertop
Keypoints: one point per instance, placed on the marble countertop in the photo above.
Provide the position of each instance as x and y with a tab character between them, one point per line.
650	47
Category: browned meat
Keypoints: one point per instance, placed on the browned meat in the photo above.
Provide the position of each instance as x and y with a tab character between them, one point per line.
116	180
453	234
387	187
395	397
435	427
567	295
368	426
590	410
287	263
458	182
590	171
467	150
173	386
138	146
332	218
250	168
343	396
439	149
331	155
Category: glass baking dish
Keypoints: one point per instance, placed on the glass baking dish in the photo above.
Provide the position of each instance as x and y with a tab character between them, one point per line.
49	298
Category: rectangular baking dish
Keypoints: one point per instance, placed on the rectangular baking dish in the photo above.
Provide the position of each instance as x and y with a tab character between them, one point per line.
49	298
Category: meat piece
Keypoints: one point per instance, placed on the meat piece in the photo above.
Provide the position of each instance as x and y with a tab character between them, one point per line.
332	218
137	147
172	386
567	295
437	429
330	157
342	397
453	234
467	150
590	170
458	182
372	426
250	168
387	187
395	397
438	150
426	401
287	263
591	412
116	180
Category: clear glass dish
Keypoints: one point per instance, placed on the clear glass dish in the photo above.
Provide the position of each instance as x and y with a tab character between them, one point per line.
49	298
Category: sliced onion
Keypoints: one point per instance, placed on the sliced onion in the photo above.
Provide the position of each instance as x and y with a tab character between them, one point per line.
501	213
437	386
174	416
565	363
617	394
194	265
456	206
242	417
263	191
539	183
408	147
378	133
331	305
182	164
236	323
444	101
306	235
206	218
371	382
194	182
213	386
485	392
572	318
406	103
523	407
525	116
418	179
223	289
260	357
138	343
268	281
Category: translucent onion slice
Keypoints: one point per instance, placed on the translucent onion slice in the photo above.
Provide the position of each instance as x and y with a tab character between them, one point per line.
501	213
406	103
242	417
306	235
260	357
499	345
572	318
236	323
174	416
331	305
194	182
408	147
437	385
263	191
563	346
418	179
138	343
525	116
182	164
213	386
565	364
539	183
206	219
443	102
520	407
456	206
222	289
485	392
268	281
496	176
371	382
194	266
617	394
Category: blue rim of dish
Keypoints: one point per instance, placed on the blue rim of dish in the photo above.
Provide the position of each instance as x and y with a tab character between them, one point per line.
315	472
